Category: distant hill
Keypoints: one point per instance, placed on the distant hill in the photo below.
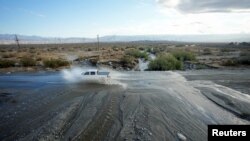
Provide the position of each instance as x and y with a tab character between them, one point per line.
182	38
10	38
244	44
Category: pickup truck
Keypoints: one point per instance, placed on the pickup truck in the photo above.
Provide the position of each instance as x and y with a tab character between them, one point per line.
95	74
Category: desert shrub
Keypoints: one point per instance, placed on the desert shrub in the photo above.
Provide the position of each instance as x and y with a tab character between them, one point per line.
183	55
244	60
80	58
8	55
32	48
115	48
207	51
180	45
127	60
230	62
239	61
156	51
28	61
70	49
94	61
245	53
39	59
165	62
6	63
141	48
55	63
225	50
244	44
137	54
149	50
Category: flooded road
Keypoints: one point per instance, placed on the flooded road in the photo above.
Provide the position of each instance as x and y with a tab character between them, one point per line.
132	106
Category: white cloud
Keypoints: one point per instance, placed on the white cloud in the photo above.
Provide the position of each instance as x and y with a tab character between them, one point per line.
168	3
185	21
176	23
207	6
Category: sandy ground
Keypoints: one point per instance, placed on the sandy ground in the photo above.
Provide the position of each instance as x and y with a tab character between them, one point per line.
132	106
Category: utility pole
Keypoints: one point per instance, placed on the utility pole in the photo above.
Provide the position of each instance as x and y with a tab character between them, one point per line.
98	44
98	47
17	41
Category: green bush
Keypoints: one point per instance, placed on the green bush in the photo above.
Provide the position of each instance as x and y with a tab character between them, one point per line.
165	62
127	61
235	62
6	63
141	48
8	55
244	60
155	51
28	61
230	63
207	51
137	54
115	48
55	63
149	50
225	50
244	54
183	55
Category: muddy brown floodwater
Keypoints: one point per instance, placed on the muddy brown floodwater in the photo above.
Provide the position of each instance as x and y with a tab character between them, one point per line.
146	106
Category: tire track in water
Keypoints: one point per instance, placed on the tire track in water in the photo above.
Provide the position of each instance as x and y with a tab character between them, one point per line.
73	119
99	128
141	124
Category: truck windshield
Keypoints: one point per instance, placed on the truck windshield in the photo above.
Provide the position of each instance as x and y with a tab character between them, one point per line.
86	73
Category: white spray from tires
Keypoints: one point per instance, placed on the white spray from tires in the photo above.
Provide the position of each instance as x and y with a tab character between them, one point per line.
74	75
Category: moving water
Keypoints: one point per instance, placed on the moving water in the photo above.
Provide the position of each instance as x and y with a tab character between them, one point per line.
132	105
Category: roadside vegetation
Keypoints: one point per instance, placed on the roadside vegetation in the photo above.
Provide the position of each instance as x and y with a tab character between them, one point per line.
244	60
137	54
207	51
28	62
6	63
128	61
237	62
165	62
124	56
130	57
174	60
55	63
182	55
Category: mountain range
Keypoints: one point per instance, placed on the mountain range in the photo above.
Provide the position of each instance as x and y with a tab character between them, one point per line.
24	39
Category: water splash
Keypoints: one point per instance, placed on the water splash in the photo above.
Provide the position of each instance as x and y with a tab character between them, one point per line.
73	75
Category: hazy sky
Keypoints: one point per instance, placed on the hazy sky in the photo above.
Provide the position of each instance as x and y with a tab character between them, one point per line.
86	18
